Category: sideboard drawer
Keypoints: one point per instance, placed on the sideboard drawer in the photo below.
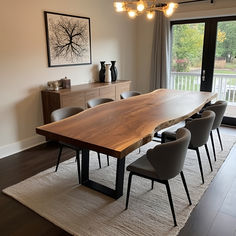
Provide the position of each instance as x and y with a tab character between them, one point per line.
90	95
73	100
108	92
121	88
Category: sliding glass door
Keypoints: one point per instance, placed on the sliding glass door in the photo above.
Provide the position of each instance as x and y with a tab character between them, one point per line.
224	78
187	51
204	58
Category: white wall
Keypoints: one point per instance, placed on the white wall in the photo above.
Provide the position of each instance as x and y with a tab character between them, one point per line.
186	11
23	60
144	51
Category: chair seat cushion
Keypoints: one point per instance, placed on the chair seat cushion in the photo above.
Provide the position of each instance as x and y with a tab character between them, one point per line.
142	166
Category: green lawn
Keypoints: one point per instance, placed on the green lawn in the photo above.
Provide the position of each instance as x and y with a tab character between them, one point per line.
230	66
222	71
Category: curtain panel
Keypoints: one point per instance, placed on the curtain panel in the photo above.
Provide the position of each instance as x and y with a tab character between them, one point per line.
160	62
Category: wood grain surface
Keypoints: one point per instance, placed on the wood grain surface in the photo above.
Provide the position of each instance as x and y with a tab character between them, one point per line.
119	127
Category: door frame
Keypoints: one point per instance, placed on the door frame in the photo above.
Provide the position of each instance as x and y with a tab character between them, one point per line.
209	48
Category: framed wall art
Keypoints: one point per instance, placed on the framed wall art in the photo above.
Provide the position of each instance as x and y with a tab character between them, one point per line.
68	39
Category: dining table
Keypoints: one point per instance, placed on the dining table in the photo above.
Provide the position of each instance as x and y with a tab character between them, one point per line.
117	128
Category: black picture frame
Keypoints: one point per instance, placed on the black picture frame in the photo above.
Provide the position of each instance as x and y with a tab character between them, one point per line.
68	39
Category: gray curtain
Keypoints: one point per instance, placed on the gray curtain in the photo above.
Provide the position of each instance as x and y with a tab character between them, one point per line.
160	62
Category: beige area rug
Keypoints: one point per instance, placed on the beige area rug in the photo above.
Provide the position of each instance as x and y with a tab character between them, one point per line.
82	211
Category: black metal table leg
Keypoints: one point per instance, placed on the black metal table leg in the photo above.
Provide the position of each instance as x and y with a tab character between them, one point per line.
120	170
85	166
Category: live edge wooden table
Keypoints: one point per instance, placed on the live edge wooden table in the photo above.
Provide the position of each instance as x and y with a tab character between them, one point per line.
117	128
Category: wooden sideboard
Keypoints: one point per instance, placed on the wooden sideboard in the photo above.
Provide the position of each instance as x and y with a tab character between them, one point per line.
78	95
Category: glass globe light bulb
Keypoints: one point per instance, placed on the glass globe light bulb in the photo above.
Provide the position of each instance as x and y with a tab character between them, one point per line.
132	14
172	5
119	6
150	15
169	11
140	6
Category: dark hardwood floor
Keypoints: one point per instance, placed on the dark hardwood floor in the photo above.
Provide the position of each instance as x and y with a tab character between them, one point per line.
214	215
15	219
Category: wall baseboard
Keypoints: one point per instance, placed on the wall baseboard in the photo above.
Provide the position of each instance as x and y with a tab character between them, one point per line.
22	145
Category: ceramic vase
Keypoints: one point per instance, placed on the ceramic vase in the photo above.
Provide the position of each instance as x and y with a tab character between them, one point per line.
114	72
108	73
102	72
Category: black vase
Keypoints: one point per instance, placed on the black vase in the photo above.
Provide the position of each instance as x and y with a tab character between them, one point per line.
102	72
114	72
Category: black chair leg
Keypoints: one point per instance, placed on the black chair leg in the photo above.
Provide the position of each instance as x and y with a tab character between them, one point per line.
139	150
108	163
200	164
59	156
76	156
213	145
128	190
171	202
208	155
78	164
163	138
185	187
152	184
99	160
218	132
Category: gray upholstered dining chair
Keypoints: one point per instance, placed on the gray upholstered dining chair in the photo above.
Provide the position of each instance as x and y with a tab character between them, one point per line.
162	163
64	112
129	94
219	108
92	103
97	101
200	129
60	114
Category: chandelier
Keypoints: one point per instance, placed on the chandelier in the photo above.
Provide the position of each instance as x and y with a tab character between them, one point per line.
134	8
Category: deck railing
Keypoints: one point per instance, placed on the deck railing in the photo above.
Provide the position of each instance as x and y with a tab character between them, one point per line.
223	84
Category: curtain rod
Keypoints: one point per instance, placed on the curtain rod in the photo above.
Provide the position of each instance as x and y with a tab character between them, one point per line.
191	1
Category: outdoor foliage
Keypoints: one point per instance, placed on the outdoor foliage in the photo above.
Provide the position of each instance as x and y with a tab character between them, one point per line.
188	45
226	40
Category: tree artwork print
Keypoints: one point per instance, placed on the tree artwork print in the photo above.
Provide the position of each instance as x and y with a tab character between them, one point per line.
68	39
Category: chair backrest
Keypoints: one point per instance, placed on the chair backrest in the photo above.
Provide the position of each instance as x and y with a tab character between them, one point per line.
219	108
200	129
64	112
129	94
97	101
168	158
